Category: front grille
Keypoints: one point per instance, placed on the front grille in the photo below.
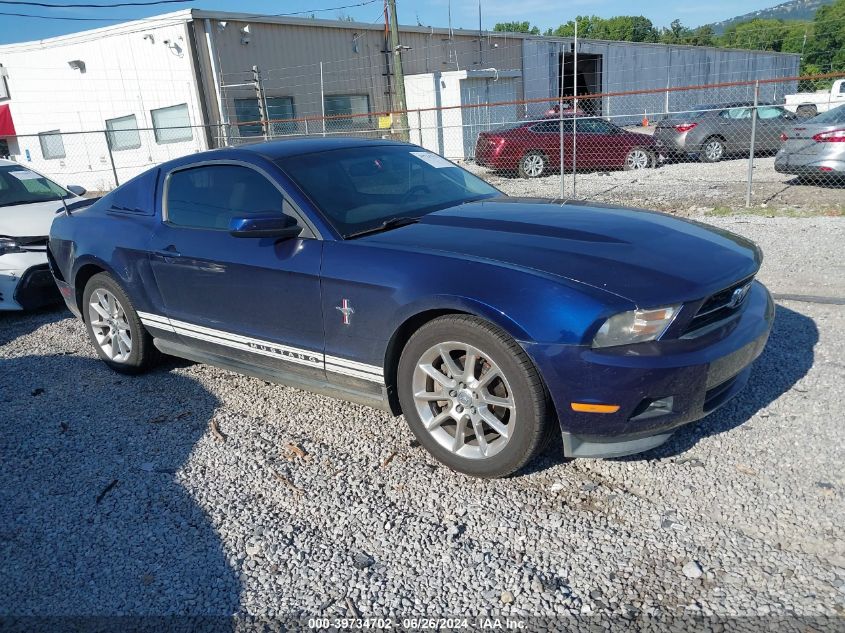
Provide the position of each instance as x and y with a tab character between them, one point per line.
718	307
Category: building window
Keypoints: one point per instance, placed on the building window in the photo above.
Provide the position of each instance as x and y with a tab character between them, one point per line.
247	112
172	124
347	105
52	145
123	133
4	87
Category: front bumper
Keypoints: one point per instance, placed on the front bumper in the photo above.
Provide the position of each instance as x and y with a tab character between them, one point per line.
688	379
26	282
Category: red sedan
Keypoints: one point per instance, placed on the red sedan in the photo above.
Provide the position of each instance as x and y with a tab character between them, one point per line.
533	147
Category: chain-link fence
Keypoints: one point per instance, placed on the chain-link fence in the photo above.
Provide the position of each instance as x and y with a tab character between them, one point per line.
728	144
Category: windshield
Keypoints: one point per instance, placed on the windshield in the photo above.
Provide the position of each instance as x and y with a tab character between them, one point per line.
19	185
831	117
360	188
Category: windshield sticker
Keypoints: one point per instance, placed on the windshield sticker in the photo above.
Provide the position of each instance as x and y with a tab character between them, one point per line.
433	159
24	174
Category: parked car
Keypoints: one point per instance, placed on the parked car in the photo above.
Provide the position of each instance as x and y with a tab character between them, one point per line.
815	147
412	285
712	132
809	104
28	202
532	148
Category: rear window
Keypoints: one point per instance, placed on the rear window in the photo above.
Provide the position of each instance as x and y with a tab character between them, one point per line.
831	117
695	112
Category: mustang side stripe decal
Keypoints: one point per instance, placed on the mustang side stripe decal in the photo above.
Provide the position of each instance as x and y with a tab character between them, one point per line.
309	358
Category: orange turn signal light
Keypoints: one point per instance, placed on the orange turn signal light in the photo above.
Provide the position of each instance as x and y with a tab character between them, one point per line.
587	407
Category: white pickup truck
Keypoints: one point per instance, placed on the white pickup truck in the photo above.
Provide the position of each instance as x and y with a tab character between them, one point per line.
807	104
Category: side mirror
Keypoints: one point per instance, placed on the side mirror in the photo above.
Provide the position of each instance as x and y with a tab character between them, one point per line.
76	190
269	225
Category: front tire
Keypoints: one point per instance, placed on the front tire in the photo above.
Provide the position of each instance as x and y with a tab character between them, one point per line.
532	165
114	327
472	397
712	150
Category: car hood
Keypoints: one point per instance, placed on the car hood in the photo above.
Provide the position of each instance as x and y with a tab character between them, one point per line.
29	220
647	257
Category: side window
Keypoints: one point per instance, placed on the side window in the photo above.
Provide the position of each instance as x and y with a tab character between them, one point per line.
736	113
546	127
842	88
208	197
769	112
594	126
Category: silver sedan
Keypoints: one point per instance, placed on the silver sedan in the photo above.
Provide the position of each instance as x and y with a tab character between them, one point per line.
816	147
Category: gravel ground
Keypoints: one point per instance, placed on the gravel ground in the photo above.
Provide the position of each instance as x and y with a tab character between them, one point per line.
192	490
684	187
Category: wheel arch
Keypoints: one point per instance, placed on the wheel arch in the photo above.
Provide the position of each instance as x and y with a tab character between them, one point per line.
415	319
83	274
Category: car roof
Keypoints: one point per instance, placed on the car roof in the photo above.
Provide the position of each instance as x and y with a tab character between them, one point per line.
273	150
310	144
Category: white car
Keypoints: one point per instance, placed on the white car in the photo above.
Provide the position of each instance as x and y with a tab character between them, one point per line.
28	202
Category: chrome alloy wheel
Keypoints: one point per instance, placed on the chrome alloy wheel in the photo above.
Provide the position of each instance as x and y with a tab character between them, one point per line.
110	326
533	165
714	150
637	159
464	400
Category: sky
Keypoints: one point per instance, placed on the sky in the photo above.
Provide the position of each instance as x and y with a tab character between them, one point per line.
543	13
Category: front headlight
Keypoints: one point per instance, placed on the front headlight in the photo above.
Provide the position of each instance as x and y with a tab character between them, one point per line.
8	245
636	326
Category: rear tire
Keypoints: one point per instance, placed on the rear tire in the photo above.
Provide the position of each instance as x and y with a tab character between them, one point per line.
487	418
638	159
114	327
712	150
532	165
806	111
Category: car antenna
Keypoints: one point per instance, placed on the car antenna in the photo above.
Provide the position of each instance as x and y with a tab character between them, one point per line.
64	204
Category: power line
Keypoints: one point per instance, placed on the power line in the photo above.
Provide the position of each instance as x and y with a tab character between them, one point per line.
154	2
91	6
57	17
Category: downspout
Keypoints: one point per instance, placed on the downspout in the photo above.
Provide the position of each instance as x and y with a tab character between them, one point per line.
215	76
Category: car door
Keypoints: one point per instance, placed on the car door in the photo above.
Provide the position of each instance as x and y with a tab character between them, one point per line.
771	123
597	146
255	300
735	128
548	139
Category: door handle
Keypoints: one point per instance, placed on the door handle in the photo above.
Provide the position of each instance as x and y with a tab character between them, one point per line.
170	251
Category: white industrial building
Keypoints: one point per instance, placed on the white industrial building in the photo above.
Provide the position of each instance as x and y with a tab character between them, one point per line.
182	82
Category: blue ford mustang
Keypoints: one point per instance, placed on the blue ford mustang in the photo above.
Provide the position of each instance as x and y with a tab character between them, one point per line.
383	274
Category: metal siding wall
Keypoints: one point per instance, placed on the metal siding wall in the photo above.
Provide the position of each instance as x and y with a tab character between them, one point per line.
289	58
629	67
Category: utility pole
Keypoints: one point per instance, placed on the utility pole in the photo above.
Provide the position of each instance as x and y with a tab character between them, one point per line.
399	104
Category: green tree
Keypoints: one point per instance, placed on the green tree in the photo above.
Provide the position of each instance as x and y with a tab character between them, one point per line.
677	33
516	27
826	49
626	28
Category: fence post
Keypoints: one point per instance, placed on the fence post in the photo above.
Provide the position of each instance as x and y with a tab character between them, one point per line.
753	142
322	99
575	109
111	159
560	133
